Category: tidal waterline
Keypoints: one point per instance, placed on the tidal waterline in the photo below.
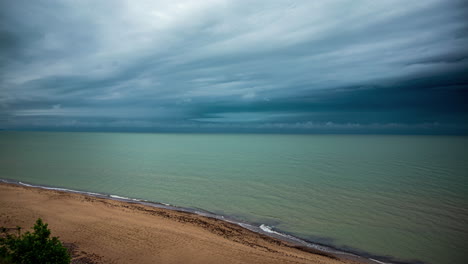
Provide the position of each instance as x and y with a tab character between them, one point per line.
400	196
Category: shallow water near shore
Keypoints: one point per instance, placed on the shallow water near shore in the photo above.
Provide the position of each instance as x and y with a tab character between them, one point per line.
403	197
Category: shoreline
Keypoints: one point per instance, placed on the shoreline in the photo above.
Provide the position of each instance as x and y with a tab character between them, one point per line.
263	232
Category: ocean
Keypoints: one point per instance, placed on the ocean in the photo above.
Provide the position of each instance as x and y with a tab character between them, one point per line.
390	198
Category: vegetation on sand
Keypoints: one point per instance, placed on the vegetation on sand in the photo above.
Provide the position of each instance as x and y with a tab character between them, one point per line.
36	247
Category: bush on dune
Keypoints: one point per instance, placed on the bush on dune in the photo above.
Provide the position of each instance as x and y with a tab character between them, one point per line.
36	247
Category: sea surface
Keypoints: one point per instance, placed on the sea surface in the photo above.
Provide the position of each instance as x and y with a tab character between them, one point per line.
391	198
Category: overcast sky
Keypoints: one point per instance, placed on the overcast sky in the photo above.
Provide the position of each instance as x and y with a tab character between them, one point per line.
334	66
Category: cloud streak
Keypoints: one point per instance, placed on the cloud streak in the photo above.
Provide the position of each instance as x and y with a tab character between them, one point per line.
221	65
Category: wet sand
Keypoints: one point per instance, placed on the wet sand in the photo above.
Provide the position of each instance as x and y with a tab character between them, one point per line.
101	230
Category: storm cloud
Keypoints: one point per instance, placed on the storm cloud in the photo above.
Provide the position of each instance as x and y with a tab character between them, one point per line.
239	66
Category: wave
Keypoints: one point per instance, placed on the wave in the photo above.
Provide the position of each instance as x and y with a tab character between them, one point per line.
54	188
25	184
269	230
380	262
124	198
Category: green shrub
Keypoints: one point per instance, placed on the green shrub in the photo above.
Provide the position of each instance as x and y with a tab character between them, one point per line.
36	247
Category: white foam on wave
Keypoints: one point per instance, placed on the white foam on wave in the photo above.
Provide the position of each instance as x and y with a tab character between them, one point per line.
61	189
380	262
250	227
25	184
269	229
119	197
55	188
123	197
202	213
68	190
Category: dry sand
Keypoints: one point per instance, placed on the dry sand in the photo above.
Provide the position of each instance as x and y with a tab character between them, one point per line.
106	231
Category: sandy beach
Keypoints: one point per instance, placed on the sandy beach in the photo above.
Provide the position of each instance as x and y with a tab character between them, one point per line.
106	231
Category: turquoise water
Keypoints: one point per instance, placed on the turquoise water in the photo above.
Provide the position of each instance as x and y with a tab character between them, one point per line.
405	197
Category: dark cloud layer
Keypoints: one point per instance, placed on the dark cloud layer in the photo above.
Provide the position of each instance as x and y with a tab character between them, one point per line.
235	66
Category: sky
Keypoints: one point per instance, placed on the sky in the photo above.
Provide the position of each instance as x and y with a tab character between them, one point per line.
334	66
